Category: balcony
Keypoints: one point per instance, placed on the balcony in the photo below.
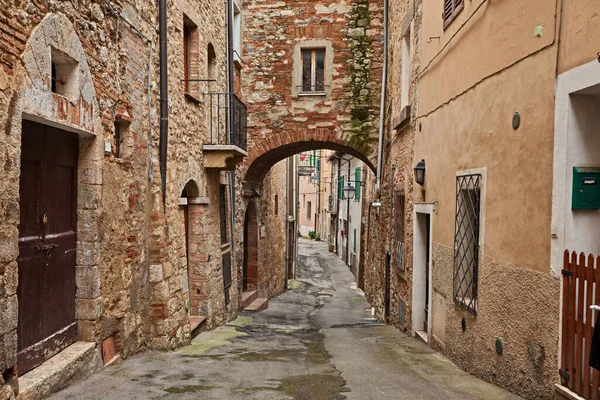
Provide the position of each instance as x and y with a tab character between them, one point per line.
223	151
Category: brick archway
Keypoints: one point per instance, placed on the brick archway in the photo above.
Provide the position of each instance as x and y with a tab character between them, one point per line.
269	151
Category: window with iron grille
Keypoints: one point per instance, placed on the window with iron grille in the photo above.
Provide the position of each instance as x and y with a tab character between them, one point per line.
400	224
223	213
308	210
466	241
226	263
451	9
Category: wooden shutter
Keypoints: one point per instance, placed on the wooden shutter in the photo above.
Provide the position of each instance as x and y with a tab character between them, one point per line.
451	10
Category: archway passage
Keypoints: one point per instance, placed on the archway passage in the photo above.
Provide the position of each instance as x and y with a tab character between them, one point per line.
267	152
250	273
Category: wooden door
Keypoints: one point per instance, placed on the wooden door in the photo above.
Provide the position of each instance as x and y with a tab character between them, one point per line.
47	242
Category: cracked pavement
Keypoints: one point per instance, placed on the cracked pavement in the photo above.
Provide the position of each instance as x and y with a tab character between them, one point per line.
315	341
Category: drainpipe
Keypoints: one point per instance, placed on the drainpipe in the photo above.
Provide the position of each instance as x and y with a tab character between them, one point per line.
383	93
164	98
229	41
287	222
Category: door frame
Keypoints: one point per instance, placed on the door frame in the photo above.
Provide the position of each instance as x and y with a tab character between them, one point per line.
420	250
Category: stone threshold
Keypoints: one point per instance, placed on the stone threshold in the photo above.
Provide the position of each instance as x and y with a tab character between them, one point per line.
73	363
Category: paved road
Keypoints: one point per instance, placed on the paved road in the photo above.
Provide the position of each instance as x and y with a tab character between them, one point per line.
316	341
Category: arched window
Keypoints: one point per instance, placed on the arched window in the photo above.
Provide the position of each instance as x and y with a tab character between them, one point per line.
211	62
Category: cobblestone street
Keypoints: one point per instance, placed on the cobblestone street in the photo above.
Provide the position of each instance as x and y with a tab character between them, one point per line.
316	341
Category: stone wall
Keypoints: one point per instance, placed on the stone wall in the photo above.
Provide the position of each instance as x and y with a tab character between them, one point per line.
404	19
346	113
132	257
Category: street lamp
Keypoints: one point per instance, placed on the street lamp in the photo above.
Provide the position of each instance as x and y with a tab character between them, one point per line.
349	191
314	178
420	172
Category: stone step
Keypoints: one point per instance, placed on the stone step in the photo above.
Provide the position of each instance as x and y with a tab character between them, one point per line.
197	324
260	304
248	297
73	363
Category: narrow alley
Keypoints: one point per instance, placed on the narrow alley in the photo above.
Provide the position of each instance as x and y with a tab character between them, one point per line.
316	341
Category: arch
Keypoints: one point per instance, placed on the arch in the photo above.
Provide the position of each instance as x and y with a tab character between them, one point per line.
190	189
250	265
266	153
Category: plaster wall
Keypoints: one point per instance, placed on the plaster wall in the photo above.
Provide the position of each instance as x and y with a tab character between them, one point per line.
580	22
307	193
487	41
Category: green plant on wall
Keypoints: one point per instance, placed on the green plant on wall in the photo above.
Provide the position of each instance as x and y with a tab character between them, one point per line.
361	56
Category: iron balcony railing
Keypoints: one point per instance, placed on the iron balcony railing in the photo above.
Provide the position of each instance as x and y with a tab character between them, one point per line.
218	104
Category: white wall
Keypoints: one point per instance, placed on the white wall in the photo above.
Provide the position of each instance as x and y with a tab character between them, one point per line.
577	143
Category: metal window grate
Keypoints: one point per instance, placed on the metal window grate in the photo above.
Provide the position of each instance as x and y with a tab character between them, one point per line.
466	241
226	262
223	213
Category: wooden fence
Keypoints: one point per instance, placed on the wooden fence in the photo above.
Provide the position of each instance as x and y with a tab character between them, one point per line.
581	280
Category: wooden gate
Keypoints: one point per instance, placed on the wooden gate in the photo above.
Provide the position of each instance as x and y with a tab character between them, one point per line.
581	278
47	242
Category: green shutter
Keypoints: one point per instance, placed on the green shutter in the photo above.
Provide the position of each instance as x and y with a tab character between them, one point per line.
357	183
354	240
342	179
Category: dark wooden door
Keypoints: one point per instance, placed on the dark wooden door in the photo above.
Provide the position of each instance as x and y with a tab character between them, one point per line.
47	242
245	265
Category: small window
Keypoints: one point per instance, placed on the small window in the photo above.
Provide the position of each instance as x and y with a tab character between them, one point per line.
406	66
354	247
313	70
276	205
237	31
466	241
400	223
223	213
451	9
341	188
190	56
357	183
308	210
64	74
211	62
123	145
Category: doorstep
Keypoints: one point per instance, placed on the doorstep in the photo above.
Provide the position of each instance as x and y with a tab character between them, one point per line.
73	363
563	393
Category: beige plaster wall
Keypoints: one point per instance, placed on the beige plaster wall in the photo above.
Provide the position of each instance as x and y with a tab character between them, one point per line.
580	23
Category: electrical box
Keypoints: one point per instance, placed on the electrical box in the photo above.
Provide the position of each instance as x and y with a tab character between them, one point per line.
586	188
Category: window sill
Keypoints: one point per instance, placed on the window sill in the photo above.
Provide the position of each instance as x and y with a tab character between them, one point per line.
192	98
225	247
312	94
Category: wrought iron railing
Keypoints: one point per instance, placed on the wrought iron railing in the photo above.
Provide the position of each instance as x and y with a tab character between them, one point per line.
218	105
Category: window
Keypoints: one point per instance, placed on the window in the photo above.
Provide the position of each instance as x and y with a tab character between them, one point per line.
308	209
357	183
190	55
223	213
399	220
237	31
354	247
276	205
466	241
64	74
123	145
211	62
341	188
406	63
313	70
451	9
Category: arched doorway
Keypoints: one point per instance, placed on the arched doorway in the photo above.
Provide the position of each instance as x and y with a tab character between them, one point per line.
250	267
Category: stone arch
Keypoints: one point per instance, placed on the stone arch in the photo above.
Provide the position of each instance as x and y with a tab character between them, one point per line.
75	111
211	61
250	264
269	151
192	173
190	189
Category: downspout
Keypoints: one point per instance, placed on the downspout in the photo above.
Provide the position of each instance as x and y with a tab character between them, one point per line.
287	222
229	40
383	94
164	98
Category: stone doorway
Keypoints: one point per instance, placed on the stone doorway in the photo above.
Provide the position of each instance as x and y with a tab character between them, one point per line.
250	273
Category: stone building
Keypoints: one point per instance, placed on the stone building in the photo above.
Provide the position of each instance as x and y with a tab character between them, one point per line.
137	248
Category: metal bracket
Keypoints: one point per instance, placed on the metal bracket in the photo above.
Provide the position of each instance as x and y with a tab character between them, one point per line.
567	273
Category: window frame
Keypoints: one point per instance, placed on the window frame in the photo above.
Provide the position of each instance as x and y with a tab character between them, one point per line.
357	183
297	70
309	210
400	230
313	68
456	6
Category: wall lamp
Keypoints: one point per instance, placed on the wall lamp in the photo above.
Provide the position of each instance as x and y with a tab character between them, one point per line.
420	172
349	191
